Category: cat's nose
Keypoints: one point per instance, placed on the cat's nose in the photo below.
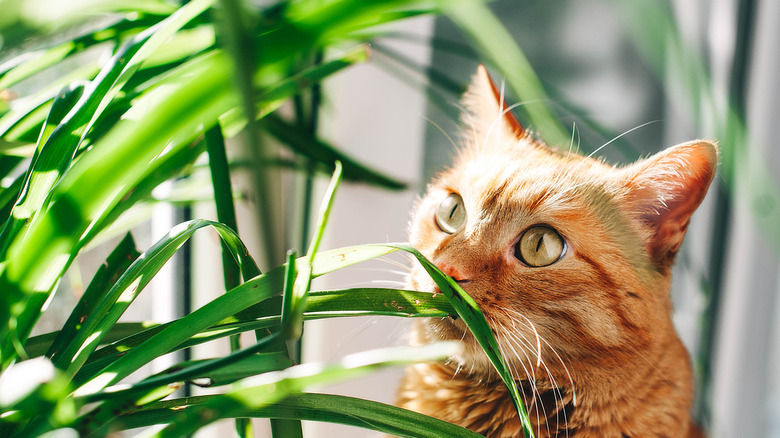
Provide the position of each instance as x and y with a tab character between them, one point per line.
453	272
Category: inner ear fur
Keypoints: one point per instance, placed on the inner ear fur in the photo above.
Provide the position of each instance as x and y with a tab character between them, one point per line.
664	191
486	108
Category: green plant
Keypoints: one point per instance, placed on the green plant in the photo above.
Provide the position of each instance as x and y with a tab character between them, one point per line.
85	150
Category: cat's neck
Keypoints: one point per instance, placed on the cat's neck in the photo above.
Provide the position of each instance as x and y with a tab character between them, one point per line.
650	392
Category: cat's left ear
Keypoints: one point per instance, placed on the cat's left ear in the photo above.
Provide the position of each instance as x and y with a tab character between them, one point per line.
486	108
664	191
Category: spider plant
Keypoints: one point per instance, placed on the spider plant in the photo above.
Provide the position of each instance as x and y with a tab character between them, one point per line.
84	150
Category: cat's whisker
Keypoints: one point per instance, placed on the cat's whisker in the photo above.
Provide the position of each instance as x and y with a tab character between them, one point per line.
515	341
552	349
435	125
529	325
558	397
457	369
573	132
406	268
557	394
501	112
379	270
514	337
498	120
538	340
390	283
565	368
613	140
472	128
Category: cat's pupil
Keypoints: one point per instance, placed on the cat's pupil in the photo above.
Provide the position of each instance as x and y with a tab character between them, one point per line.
452	213
539	245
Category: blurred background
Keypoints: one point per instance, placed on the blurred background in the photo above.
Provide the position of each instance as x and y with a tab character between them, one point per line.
641	76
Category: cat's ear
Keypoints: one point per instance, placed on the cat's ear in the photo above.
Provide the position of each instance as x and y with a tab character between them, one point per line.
664	191
486	110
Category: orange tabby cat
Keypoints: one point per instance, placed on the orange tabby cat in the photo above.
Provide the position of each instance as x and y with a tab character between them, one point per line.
570	260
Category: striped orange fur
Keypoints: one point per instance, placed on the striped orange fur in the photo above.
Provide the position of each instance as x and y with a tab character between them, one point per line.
589	335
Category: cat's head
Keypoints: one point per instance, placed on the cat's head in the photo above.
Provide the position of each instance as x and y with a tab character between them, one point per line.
565	255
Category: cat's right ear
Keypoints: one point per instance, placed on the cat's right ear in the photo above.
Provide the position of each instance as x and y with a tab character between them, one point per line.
664	191
486	110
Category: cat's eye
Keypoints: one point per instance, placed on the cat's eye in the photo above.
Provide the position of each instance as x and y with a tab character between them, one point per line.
540	246
451	213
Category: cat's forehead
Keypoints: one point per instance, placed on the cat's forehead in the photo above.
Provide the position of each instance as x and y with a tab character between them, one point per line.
521	175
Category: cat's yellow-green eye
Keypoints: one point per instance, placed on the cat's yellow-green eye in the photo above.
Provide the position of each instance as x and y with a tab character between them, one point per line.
451	213
540	246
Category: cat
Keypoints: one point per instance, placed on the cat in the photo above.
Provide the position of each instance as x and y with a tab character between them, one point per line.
570	260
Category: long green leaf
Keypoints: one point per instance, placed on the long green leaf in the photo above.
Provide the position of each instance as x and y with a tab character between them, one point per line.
221	308
119	399
319	304
475	320
132	282
295	303
313	407
223	198
246	367
269	388
107	275
38	345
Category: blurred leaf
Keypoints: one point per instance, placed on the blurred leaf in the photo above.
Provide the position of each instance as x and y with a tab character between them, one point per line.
48	162
22	123
33	63
499	49
321	152
31	388
247	367
748	178
49	15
